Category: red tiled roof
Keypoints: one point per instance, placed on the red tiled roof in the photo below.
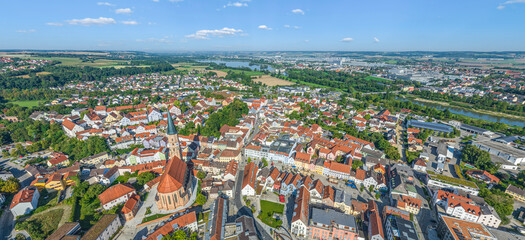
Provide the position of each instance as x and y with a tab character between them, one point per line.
173	177
24	195
115	192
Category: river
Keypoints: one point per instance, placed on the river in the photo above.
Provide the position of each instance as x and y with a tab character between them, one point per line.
472	114
238	64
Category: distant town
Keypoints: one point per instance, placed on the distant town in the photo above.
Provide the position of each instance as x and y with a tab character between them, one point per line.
262	145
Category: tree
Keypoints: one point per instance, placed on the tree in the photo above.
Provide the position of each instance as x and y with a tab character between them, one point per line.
356	164
371	188
201	174
10	185
145	177
265	163
481	159
201	199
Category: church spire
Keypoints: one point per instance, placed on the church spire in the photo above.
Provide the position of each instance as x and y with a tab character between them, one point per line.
171	126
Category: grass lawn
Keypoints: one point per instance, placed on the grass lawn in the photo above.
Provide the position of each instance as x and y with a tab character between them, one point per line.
40	226
32	103
267	210
153	217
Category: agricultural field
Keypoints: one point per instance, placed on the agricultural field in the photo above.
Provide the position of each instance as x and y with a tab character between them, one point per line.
272	81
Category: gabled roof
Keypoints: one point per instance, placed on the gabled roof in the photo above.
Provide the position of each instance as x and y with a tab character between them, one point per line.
174	176
115	192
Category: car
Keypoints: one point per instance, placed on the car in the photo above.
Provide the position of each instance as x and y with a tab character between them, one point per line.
281	198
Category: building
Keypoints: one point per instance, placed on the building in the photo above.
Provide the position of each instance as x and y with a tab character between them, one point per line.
513	155
131	207
450	228
95	159
483	176
330	224
186	221
65	232
116	195
58	159
104	228
301	213
245	228
516	193
488	216
175	186
398	228
215	227
442	181
437	127
25	201
4	175
409	204
249	180
141	156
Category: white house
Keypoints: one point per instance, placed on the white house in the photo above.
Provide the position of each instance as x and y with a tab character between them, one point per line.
116	195
25	201
71	129
462	210
140	156
420	165
154	115
249	180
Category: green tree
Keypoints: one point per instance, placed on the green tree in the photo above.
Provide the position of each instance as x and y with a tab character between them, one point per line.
201	199
10	185
356	164
145	177
201	174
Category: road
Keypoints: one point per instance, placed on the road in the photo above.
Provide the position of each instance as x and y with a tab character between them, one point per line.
243	210
7	223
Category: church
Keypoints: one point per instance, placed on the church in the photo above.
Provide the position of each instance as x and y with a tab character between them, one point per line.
175	185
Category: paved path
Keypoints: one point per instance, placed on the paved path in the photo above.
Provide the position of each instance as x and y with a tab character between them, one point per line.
7	223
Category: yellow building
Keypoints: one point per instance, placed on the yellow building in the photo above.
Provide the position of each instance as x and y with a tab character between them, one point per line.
55	182
516	193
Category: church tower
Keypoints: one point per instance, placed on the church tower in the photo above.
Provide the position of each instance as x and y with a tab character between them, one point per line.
173	139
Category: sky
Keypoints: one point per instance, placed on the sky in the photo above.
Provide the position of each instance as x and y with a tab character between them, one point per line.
263	25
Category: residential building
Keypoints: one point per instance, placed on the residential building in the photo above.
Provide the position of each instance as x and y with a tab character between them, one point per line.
330	224
187	221
104	229
131	207
25	201
301	213
218	218
249	180
517	193
398	228
450	228
116	195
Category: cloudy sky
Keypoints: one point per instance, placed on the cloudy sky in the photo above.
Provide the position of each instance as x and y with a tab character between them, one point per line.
222	25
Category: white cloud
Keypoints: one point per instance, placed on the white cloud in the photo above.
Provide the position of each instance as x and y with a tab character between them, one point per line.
156	0
347	39
236	4
26	31
264	27
54	24
376	39
294	27
173	0
123	11
206	34
298	11
129	22
105	4
306	41
502	6
91	21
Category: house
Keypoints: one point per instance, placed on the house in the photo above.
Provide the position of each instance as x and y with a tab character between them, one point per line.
375	227
397	227
301	213
231	171
328	222
95	159
420	165
4	175
71	129
141	156
516	193
65	232
25	201
450	228
218	217
245	228
131	207
186	221
409	204
249	180
228	155
104	229
58	159
116	195
483	176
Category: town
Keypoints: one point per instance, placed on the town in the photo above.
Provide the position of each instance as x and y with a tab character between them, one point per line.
206	151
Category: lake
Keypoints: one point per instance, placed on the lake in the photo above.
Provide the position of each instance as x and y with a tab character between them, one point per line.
472	114
237	64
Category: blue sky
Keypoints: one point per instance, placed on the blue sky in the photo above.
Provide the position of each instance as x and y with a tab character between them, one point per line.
223	25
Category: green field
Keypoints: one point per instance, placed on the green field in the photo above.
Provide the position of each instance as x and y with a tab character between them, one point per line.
377	79
249	73
40	226
77	62
32	103
267	210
